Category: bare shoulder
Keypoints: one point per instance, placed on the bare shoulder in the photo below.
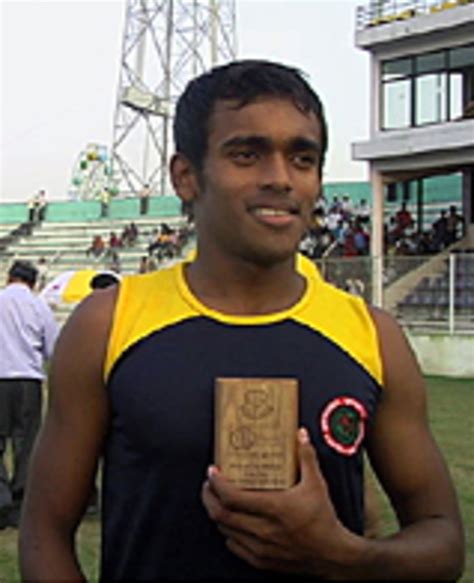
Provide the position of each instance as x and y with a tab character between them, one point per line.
82	344
400	365
95	311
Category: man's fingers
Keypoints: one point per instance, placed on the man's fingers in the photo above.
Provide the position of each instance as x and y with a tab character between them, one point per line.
238	500
310	471
233	520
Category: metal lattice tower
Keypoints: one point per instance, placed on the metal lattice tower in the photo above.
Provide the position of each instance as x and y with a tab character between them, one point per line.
165	44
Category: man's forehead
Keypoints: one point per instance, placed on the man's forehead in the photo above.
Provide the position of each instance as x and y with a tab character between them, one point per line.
232	113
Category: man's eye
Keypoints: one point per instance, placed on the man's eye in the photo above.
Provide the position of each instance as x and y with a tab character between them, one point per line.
243	156
305	160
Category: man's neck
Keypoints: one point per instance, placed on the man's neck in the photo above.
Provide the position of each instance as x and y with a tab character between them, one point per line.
245	288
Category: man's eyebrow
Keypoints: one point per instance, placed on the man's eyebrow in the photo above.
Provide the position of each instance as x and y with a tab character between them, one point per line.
305	144
255	141
297	144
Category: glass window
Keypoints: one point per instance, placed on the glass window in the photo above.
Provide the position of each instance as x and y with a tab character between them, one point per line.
430	62
461	57
431	102
397	104
455	95
396	68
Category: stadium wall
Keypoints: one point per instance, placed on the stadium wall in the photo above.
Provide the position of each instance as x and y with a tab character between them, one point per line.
444	354
86	210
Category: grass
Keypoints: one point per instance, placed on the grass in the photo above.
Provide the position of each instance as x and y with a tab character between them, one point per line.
451	407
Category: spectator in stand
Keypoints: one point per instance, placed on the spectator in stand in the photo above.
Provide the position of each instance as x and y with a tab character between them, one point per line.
42	205
133	233
28	332
455	225
129	235
104	202
336	205
114	241
363	212
144	196
321	204
403	220
334	220
125	236
348	242
440	232
361	238
153	241
425	244
346	208
147	264
33	209
97	246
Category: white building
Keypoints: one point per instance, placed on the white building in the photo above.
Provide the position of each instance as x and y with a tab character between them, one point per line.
422	99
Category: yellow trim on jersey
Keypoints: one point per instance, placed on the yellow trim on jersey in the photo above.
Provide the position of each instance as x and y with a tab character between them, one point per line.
345	319
151	302
145	303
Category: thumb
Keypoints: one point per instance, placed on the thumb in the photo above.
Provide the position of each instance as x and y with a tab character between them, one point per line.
307	457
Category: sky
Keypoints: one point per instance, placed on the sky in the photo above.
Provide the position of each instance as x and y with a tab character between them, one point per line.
59	74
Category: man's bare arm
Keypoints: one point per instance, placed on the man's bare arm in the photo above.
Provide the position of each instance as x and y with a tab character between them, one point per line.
407	461
66	454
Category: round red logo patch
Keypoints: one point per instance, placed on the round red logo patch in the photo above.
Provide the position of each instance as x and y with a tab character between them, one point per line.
343	424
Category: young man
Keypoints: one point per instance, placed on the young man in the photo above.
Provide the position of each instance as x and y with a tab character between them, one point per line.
250	140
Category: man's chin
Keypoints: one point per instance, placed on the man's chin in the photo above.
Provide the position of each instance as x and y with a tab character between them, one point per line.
270	257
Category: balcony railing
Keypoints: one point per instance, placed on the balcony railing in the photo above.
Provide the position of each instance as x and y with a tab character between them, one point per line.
379	12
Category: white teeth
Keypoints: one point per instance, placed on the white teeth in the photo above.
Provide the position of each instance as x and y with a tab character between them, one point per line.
269	212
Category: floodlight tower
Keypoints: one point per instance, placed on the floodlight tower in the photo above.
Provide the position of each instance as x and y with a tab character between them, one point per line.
165	43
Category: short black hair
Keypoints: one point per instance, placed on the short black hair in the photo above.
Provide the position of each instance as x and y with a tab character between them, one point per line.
244	81
104	279
24	271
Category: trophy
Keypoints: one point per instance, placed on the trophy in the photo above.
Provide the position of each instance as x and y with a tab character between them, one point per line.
255	431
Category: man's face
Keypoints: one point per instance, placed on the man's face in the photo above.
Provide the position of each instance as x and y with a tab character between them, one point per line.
260	180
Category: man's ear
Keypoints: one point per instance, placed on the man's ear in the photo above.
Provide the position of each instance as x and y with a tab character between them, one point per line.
184	178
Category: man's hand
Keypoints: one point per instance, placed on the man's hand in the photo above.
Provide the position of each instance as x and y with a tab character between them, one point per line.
294	530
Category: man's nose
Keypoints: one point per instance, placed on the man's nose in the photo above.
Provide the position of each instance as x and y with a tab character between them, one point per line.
275	174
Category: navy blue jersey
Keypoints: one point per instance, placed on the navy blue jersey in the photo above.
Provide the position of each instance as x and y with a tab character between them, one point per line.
165	352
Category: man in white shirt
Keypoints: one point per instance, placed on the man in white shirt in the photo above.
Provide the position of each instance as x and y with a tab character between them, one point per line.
28	332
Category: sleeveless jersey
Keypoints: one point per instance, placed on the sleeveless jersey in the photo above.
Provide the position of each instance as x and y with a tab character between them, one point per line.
165	351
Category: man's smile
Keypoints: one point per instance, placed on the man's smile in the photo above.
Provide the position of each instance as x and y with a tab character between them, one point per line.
276	216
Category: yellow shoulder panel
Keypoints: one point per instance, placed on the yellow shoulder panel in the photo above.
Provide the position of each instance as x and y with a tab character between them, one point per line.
345	319
146	303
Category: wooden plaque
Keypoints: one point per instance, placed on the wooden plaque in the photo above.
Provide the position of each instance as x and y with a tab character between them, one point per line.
255	431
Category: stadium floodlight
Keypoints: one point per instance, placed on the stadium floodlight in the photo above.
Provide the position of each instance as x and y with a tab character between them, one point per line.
143	101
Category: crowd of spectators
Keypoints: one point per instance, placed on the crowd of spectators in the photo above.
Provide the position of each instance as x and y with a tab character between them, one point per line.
339	229
166	242
402	237
163	242
109	248
342	229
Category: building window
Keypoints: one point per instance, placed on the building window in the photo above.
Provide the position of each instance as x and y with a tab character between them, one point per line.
426	89
431	98
396	76
397	104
